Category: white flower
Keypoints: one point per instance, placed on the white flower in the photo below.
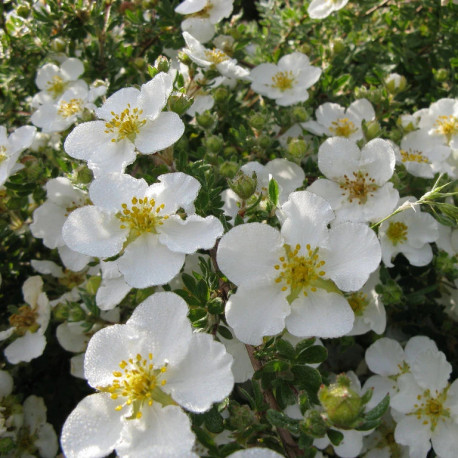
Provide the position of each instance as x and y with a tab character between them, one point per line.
319	9
369	311
288	175
53	81
288	81
441	120
294	278
334	120
142	224
113	288
213	58
423	155
131	120
410	232
28	324
356	183
11	147
203	15
49	218
144	371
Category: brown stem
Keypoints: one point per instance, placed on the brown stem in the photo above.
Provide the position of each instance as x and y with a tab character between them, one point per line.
289	444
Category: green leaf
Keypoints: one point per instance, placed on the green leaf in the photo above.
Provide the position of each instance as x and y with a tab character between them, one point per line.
335	437
280	420
214	421
273	191
303	344
313	355
378	411
276	366
225	332
285	349
308	379
368	425
189	282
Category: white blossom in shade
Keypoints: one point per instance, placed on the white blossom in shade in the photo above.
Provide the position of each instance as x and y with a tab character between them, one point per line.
203	15
427	408
370	314
356	183
288	175
56	116
213	58
334	120
409	232
53	80
141	223
294	278
441	120
423	155
37	430
256	452
145	371
320	9
49	218
130	120
287	81
113	288
241	367
28	324
11	146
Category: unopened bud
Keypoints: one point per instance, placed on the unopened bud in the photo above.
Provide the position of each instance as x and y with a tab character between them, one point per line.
264	141
214	143
243	185
180	104
371	129
314	424
206	120
257	121
300	114
162	64
76	313
441	75
228	169
58	45
184	58
84	175
337	46
296	150
220	94
395	83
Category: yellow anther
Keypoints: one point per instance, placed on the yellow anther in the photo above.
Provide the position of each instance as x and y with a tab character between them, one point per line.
56	86
360	187
416	156
283	80
447	125
127	124
343	127
216	56
117	374
73	107
397	232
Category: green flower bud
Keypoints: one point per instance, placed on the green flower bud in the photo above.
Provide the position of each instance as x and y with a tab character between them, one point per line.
241	417
184	58
214	143
230	151
441	75
264	141
228	169
371	129
243	185
58	45
297	149
206	120
76	313
180	104
139	63
337	46
314	424
343	405
84	175
300	114
257	121
395	83
61	312
220	94
92	285
162	64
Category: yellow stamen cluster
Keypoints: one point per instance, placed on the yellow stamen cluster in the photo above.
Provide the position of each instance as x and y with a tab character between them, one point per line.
447	125
25	319
216	56
299	273
70	108
283	80
358	302
72	279
431	409
139	382
125	125
343	127
56	86
397	232
142	216
417	156
3	155
360	186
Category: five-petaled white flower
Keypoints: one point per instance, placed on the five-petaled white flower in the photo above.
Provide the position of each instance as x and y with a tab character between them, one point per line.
142	223
131	120
294	277
288	81
319	9
144	371
356	183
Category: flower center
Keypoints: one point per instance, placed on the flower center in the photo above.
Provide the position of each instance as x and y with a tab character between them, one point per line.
67	109
446	125
283	80
139	382
299	273
127	124
72	279
216	56
56	86
343	127
359	187
142	216
415	156
25	319
3	155
204	12
397	232
431	409
358	302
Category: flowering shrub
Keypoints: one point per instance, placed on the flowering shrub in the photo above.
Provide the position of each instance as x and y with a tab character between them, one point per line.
228	228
